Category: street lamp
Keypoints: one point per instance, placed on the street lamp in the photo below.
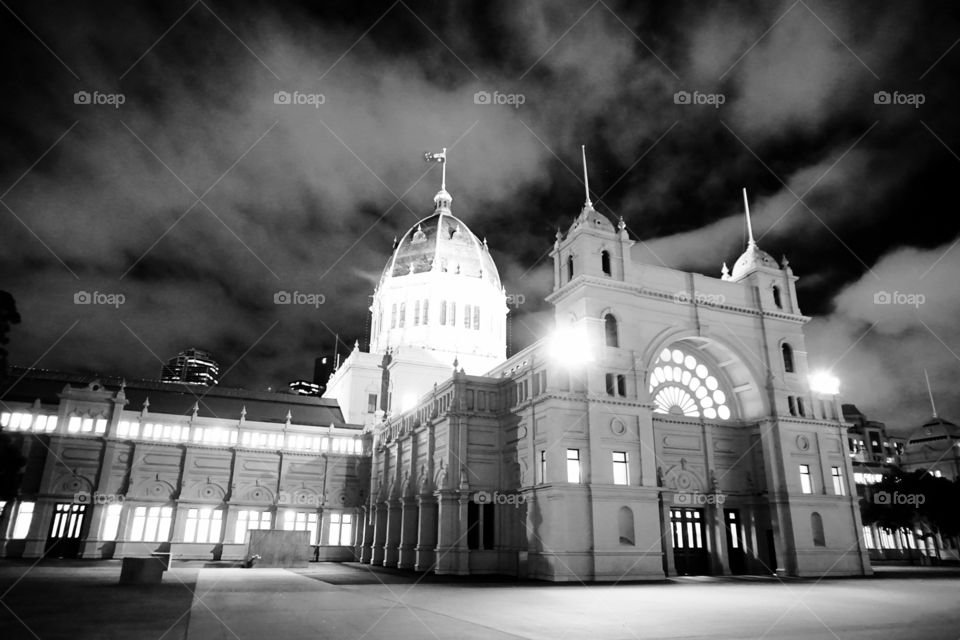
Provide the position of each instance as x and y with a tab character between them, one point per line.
824	382
570	346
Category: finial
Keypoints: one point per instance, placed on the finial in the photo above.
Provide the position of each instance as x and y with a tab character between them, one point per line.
559	235
621	225
123	384
784	262
724	272
930	392
196	408
456	363
746	207
289	417
243	414
356	345
586	181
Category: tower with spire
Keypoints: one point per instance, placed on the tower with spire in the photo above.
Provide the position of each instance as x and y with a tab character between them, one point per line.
592	246
775	283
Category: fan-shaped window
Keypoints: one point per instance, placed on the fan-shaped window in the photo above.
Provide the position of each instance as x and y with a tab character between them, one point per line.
776	297
605	261
625	525
816	525
681	384
569	267
787	352
611	331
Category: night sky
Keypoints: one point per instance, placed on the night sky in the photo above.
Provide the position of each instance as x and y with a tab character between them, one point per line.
199	197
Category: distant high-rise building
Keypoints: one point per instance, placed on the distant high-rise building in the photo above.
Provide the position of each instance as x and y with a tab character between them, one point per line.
192	366
305	388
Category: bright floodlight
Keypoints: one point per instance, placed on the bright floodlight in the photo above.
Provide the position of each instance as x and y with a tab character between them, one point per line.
409	402
569	346
825	382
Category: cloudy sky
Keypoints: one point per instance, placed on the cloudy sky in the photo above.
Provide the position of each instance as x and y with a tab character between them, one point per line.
145	156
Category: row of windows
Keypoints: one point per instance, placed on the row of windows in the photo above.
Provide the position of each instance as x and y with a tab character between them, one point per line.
807	485
23	421
421	314
202	525
620	461
221	436
604	264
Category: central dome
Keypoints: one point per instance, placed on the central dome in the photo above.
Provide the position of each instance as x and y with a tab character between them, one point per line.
444	244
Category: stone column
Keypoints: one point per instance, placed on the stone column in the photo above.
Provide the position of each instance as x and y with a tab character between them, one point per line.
427	533
667	531
451	543
717	538
379	533
409	522
391	546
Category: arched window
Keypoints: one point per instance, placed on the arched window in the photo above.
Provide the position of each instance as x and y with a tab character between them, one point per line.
776	297
625	526
605	261
816	526
569	268
787	352
610	329
681	384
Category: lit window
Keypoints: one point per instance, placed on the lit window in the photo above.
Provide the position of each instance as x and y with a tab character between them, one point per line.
476	317
443	312
5	419
837	481
247	520
151	524
73	426
806	483
573	465
453	314
341	527
467	315
111	522
403	313
21	526
203	525
301	521
621	469
682	385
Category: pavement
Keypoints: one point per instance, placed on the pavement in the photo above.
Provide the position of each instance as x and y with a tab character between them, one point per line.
349	600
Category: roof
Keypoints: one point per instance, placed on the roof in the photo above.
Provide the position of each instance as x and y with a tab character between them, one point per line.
441	243
934	430
176	398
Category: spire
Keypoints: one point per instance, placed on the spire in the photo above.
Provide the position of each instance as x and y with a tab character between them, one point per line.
746	207
443	199
930	393
587	204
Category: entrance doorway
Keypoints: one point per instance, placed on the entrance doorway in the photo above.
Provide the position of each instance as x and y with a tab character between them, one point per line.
690	554
66	530
735	542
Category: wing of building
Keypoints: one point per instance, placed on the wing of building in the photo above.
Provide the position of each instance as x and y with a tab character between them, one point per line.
665	426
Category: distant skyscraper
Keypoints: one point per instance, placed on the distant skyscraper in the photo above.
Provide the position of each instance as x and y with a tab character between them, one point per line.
192	366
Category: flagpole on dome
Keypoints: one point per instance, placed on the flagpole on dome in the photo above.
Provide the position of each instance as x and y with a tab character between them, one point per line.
443	198
746	207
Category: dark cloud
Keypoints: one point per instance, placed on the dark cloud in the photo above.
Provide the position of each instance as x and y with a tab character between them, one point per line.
309	199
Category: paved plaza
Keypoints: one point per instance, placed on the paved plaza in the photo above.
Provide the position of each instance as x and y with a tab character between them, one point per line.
83	600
